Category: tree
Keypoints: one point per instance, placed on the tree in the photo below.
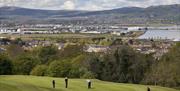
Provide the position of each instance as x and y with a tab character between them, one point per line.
71	51
18	41
47	53
94	66
166	71
24	64
14	50
88	75
122	64
6	66
59	68
39	70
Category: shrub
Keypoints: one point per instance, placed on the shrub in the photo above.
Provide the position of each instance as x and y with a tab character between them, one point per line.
47	53
24	64
59	68
88	75
5	65
39	70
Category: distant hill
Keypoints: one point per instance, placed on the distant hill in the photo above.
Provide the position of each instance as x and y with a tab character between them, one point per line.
37	13
153	11
131	14
126	10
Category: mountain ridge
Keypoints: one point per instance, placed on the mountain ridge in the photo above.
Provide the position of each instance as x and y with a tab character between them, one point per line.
161	12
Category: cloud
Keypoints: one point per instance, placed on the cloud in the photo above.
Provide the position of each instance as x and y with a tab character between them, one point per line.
68	5
84	4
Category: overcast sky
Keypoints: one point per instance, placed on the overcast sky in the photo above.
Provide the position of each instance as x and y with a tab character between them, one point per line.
84	4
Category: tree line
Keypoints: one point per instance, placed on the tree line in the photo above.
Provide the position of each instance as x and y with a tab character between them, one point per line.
122	64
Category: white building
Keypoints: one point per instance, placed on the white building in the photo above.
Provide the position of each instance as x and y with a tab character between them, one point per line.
91	32
97	49
10	31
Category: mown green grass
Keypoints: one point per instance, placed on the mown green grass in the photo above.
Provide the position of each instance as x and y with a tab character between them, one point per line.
34	83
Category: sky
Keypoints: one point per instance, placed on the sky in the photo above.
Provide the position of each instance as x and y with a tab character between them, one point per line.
84	4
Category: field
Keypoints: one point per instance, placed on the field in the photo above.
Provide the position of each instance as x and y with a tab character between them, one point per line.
54	36
34	83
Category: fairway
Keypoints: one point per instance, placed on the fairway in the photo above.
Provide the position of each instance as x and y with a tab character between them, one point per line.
34	83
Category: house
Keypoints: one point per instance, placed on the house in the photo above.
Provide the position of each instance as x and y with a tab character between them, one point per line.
96	48
119	32
91	32
10	31
60	45
2	50
116	33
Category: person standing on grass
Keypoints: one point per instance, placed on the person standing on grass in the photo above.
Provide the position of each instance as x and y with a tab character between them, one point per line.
66	82
89	83
148	89
54	83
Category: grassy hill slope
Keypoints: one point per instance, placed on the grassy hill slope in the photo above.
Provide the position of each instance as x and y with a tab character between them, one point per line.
33	83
